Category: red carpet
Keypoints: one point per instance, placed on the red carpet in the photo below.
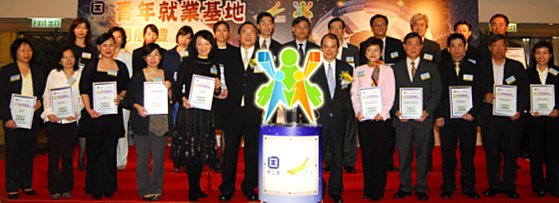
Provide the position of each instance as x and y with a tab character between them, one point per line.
175	184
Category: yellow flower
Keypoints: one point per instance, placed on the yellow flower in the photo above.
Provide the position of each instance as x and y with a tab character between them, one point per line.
346	76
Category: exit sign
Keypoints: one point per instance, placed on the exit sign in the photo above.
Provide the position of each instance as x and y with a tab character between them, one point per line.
512	27
46	22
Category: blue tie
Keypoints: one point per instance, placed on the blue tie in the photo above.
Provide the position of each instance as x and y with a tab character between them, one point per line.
331	81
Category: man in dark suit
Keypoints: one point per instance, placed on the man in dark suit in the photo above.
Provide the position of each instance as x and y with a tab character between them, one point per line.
431	50
501	134
349	54
393	50
333	111
458	71
473	53
415	72
499	25
244	117
265	25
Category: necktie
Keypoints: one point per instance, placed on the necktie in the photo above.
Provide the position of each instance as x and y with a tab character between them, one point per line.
264	45
412	70
457	68
331	81
374	76
301	52
246	60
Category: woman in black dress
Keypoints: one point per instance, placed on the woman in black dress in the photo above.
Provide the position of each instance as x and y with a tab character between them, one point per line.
194	137
102	131
28	79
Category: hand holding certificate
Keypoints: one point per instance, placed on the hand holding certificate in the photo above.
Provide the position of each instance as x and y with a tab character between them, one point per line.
411	103
104	96
542	99
62	102
371	102
460	100
201	92
22	109
155	98
505	100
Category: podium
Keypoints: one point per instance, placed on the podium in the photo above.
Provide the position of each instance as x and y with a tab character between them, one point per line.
289	164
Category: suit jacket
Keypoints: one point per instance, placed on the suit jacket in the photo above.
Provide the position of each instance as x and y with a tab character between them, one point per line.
333	109
534	78
432	90
431	51
468	76
473	55
350	55
309	46
393	51
9	86
512	68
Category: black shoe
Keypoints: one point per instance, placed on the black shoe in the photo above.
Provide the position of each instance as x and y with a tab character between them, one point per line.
97	196
350	169
337	198
202	195
366	196
446	195
374	199
326	168
554	194
512	194
401	194
193	197
55	196
392	168
491	192
251	196
109	194
472	195
422	196
517	167
13	196
224	197
30	192
540	194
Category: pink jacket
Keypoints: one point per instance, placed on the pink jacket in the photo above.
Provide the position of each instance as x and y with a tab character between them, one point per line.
362	78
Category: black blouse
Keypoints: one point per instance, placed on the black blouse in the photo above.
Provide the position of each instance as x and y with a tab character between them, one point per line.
189	67
84	55
91	75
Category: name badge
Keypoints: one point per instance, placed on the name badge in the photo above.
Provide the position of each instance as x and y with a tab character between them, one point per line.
184	54
394	55
113	73
468	77
81	65
86	55
349	59
510	80
425	76
428	57
361	73
71	81
213	70
14	78
157	79
275	57
472	60
553	71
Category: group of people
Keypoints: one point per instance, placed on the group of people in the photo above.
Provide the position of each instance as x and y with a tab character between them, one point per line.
380	61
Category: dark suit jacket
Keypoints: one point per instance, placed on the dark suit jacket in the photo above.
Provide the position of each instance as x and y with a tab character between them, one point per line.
333	109
309	46
512	68
473	55
449	78
350	55
393	51
432	89
432	49
534	78
8	87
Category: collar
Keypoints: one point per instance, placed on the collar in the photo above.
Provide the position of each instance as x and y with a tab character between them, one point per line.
416	61
500	66
303	42
250	50
261	39
344	44
538	69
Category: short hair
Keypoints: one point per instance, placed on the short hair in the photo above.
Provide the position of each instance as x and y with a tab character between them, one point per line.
104	37
499	15
412	35
122	32
60	54
497	37
336	20
262	15
151	27
148	48
221	23
330	36
75	23
463	22
455	36
378	16
184	30
300	19
246	23
543	44
372	41
207	35
419	16
15	46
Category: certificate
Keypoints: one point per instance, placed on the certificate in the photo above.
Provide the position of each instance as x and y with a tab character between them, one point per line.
505	100
542	99
22	109
460	100
411	103
104	95
371	102
62	102
201	92
155	98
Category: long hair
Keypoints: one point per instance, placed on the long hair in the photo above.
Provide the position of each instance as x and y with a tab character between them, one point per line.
77	21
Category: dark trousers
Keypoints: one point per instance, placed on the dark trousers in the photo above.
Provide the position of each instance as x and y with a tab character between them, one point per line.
450	133
146	146
407	137
236	127
61	139
350	143
20	147
544	142
100	174
501	135
194	173
391	135
374	150
333	137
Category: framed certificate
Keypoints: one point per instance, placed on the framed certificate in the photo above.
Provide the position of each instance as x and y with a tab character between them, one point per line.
155	98
22	109
201	92
411	102
505	100
370	99
542	99
460	100
61	102
104	95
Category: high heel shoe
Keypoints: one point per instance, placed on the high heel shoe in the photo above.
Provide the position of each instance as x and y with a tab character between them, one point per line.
30	192
13	196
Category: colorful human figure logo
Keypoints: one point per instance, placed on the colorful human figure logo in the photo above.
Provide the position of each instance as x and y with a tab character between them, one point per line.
303	9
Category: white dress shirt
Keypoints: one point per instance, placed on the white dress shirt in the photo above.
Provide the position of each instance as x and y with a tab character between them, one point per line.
57	79
340	51
126	58
498	72
268	42
416	65
542	74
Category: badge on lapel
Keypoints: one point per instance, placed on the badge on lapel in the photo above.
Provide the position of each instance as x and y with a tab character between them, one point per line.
425	76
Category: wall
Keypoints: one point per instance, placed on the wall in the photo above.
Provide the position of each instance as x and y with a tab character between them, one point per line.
39	8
